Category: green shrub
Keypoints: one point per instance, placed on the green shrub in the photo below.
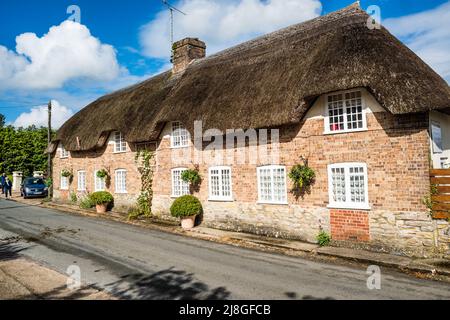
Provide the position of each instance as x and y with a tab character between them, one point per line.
66	173
48	182
73	197
186	206
323	238
101	197
143	203
191	176
102	173
86	202
134	213
302	176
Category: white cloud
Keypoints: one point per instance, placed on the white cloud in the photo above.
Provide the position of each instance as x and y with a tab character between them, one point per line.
66	52
38	116
428	34
223	23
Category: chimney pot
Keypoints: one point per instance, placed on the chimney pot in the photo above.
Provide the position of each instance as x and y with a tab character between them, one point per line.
185	51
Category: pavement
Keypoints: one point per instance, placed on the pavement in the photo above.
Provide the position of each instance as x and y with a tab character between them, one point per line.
129	261
22	279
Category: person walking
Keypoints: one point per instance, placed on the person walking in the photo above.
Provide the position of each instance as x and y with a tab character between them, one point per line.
2	182
8	188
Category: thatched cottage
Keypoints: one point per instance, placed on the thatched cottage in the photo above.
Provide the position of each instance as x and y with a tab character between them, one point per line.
362	109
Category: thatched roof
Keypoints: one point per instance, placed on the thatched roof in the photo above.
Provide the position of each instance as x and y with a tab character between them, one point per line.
266	82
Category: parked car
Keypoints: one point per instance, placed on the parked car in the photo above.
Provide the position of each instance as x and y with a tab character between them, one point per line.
33	187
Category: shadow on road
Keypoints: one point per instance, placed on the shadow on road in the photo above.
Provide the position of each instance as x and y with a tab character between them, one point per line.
13	205
167	284
294	296
9	251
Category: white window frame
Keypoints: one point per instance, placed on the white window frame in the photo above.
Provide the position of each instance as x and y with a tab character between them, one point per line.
345	130
121	146
348	204
172	193
96	180
64	182
81	182
436	148
221	197
172	135
63	153
116	180
272	168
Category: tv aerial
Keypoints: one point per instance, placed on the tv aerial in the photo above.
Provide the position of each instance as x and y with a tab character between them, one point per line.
172	10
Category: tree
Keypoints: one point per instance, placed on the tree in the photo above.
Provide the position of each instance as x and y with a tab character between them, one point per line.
23	149
2	120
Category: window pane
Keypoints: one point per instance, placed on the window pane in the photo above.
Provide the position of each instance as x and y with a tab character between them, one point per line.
180	135
64	182
179	187
436	135
64	152
81	180
100	184
338	184
226	182
120	144
357	185
279	185
215	184
336	112
345	111
353	105
265	184
121	181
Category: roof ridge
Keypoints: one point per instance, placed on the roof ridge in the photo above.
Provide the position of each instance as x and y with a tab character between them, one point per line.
339	14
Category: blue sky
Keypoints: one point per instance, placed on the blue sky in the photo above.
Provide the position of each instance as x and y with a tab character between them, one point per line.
122	42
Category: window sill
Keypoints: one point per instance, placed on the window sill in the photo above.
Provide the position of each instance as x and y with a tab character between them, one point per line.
349	207
121	192
344	131
118	152
174	197
273	203
220	200
181	147
64	189
64	158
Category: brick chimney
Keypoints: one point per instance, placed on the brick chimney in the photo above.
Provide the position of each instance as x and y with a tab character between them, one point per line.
186	50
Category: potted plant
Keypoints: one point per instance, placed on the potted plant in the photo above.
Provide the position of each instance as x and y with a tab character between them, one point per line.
102	173
192	176
186	208
66	173
302	177
101	199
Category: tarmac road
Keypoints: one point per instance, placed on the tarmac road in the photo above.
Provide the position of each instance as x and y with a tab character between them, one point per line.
138	263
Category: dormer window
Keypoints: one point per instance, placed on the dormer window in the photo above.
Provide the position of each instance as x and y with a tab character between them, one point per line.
120	145
345	112
179	137
63	152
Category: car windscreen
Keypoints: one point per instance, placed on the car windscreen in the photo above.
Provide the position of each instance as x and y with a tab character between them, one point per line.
37	181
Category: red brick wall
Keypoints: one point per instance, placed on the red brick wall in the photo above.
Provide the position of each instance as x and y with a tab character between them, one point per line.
104	158
395	149
349	225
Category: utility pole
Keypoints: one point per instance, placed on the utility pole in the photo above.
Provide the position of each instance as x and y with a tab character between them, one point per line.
49	155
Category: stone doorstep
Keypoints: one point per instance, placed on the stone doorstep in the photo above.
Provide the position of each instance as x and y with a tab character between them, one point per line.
357	255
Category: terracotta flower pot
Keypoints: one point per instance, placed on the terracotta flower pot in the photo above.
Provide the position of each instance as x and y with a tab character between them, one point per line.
101	208
188	222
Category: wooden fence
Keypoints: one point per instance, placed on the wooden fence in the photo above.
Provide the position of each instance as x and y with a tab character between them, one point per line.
440	198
